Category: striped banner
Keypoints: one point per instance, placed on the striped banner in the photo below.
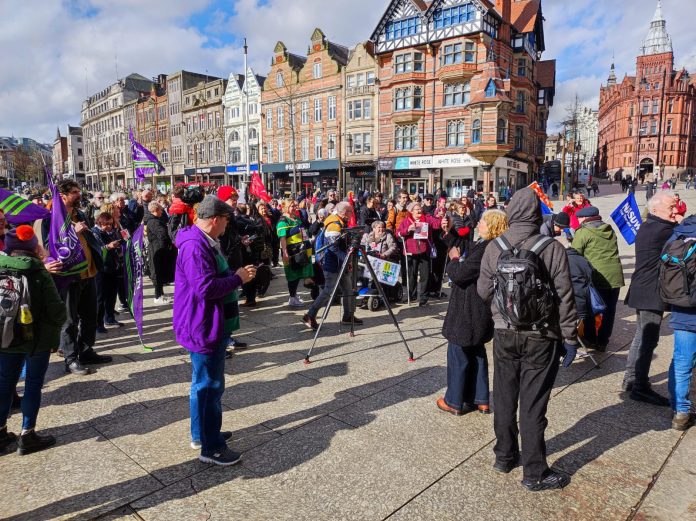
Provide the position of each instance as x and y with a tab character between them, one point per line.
19	210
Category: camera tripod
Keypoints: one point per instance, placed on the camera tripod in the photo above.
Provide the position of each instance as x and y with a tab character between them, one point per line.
354	248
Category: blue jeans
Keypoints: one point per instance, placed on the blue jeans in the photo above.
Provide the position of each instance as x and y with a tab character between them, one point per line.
467	376
683	363
346	288
207	386
11	366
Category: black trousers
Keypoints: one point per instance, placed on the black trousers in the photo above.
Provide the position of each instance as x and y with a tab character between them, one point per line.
80	329
107	289
419	265
525	366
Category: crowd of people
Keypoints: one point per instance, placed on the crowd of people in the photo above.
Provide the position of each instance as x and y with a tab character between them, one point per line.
537	285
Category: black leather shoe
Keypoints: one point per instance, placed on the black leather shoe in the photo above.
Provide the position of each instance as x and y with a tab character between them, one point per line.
505	467
347	319
77	368
6	439
649	396
32	442
552	480
91	357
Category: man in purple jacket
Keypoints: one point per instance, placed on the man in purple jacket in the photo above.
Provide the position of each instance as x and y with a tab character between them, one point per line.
205	313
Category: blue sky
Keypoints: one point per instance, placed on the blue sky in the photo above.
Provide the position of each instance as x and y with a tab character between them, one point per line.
48	72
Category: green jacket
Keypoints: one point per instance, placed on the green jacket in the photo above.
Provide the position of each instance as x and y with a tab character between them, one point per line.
596	241
47	309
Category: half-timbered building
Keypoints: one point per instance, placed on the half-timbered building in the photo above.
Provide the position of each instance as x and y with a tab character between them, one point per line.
463	94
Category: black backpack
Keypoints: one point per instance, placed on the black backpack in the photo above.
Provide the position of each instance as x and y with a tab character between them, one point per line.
522	285
14	293
678	272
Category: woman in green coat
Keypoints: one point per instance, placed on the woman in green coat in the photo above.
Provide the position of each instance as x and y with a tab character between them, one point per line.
31	340
296	250
597	242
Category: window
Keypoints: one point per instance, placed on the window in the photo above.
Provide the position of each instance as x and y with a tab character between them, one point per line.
631	110
279	80
317	110
357	144
360	79
253	134
280	117
332	150
670	106
643	128
476	131
367	143
630	128
470	52
490	89
454	15
521	102
269	119
305	148
455	134
252	109
316	69
655	106
269	152
653	126
367	108
351	81
217	120
646	107
281	152
406	137
317	147
519	138
210	152
355	109
332	108
501	136
304	112
451	54
371	78
218	151
522	67
669	126
403	28
234	136
408	98
456	94
410	62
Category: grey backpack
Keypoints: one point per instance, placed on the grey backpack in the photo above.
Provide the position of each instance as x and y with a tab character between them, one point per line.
14	292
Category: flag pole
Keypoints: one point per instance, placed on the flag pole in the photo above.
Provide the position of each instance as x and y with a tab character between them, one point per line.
246	115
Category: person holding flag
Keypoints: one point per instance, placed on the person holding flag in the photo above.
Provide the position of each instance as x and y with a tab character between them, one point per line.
70	242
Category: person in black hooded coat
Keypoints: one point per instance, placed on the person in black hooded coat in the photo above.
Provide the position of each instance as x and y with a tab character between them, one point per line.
469	325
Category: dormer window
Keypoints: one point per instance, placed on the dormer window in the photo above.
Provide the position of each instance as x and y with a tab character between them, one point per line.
317	70
490	89
279	79
403	28
454	15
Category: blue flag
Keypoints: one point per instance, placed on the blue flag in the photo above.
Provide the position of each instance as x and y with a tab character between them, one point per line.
627	218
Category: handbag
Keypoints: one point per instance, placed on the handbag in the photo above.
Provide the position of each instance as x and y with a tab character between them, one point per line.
298	255
596	301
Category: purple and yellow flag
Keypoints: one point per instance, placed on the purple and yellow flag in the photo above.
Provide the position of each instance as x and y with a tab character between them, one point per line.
63	243
19	210
134	266
145	162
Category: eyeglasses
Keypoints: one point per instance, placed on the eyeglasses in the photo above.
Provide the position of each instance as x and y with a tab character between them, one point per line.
99	198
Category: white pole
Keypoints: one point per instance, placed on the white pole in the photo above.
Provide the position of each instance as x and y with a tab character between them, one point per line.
247	174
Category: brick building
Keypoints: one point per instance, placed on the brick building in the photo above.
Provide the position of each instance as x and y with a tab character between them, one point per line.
463	95
647	124
68	155
152	128
302	103
202	116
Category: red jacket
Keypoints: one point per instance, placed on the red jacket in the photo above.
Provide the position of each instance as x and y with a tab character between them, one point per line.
416	246
572	209
681	207
178	207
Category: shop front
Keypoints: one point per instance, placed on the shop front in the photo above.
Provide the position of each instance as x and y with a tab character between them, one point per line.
238	174
308	175
455	174
361	177
209	174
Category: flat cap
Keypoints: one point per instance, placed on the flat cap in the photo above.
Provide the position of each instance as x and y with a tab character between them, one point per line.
588	211
211	207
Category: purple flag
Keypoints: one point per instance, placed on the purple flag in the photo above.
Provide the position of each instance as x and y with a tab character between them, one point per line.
18	210
63	242
134	250
144	162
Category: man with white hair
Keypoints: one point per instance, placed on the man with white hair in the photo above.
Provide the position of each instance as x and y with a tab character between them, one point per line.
94	208
138	206
332	261
644	297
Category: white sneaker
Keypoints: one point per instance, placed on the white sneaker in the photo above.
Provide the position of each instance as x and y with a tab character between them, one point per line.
296	302
162	300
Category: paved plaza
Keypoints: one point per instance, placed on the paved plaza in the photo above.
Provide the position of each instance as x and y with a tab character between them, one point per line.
355	435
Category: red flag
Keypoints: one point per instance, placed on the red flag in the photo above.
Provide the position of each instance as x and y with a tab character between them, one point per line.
256	188
353	221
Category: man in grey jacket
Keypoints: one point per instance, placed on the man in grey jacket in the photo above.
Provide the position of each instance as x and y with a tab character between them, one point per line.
525	361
